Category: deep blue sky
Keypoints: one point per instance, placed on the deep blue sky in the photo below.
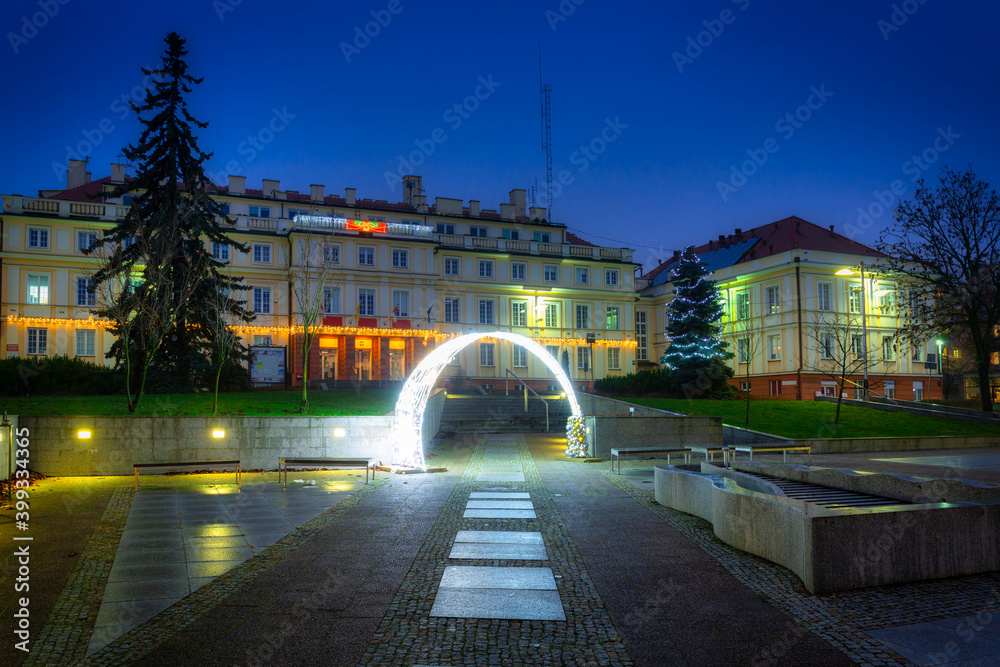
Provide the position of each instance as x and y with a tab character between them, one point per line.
656	185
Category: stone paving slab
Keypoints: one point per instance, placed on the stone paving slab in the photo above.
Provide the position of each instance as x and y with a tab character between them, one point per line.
525	605
499	505
513	495
500	477
499	536
495	551
471	576
500	514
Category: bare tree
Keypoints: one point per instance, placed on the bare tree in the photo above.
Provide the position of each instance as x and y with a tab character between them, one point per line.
947	240
309	277
747	333
224	340
143	302
841	352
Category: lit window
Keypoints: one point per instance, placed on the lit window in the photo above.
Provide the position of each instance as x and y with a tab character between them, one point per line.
743	305
641	336
774	347
773	300
38	289
613	322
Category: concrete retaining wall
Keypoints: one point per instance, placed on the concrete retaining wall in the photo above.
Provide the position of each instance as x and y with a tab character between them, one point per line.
607	407
855	445
662	429
835	550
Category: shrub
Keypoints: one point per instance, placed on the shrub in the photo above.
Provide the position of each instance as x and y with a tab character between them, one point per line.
60	375
660	382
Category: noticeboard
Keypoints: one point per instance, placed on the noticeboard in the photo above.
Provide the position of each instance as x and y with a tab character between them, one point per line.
267	365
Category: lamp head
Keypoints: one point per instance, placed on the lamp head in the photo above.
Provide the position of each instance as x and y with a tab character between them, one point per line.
845	272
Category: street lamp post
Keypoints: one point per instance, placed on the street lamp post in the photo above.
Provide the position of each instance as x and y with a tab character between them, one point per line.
940	344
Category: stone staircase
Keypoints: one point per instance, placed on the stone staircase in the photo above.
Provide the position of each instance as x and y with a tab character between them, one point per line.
502	414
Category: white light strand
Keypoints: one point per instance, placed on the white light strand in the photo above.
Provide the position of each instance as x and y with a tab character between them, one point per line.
407	426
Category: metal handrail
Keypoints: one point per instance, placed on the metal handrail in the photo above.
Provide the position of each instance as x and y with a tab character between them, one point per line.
507	393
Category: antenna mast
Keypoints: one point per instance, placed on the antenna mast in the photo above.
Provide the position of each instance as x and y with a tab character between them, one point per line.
546	98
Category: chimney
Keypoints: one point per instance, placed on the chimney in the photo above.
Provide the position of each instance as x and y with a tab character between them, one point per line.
76	175
507	211
270	187
831	230
316	192
413	187
237	185
117	173
537	213
739	232
420	203
677	253
351	196
519	199
474	208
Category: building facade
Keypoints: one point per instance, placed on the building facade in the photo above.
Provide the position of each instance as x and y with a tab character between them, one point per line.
397	278
793	294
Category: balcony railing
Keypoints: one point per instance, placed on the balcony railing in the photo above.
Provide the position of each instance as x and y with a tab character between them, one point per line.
534	247
63	209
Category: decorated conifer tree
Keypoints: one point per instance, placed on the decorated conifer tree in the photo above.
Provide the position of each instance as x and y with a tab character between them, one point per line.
172	210
696	358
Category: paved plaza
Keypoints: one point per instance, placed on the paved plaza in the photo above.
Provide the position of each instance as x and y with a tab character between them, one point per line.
515	556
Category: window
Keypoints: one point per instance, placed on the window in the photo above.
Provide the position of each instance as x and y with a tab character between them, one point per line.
260	211
366	256
890	389
486	354
582	316
551	273
331	300
918	391
366	302
486	268
84	239
520	357
773	300
774	347
262	300
519	313
857	346
331	253
38	237
888	349
743	305
611	277
745	386
400	258
486	311
886	301
265	341
582	275
826	343
956	353
451	308
452	266
292	212
829	389
400	303
85	294
918	353
775	387
477	231
38	341
85	342
541	237
512	234
614	358
518	271
375	218
613	322
444	228
553	350
583	358
743	350
854	301
641	336
552	315
261	253
220	251
823	297
38	289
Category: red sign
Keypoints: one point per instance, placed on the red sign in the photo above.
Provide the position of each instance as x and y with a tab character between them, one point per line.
366	226
333	321
12	347
370	322
402	324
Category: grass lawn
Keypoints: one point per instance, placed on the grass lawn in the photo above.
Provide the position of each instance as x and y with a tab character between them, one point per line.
334	403
809	419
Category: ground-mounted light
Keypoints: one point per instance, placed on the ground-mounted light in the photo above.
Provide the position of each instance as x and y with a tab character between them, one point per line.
83	434
408	424
339	432
218	433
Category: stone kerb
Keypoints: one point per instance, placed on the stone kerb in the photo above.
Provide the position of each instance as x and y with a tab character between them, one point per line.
118	442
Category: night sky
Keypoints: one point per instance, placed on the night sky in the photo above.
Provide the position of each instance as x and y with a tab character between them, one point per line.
648	124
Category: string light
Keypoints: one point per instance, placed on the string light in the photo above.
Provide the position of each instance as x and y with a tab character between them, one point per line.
407	426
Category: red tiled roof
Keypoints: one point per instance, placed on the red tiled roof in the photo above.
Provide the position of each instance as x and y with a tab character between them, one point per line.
573	239
85	192
781	236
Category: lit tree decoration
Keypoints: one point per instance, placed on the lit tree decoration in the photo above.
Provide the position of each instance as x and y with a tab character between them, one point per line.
576	437
697	355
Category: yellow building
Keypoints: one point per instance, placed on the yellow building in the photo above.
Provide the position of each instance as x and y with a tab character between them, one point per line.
400	277
789	289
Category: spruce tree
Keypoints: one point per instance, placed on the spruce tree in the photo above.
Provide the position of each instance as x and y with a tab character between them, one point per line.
696	358
172	210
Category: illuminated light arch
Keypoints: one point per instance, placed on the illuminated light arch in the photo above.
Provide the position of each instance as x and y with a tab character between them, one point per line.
407	426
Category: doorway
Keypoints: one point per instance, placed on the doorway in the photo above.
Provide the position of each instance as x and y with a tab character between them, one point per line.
329	361
364	365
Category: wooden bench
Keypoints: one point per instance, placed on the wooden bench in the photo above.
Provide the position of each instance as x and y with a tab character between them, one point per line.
773	447
284	463
616	453
189	464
